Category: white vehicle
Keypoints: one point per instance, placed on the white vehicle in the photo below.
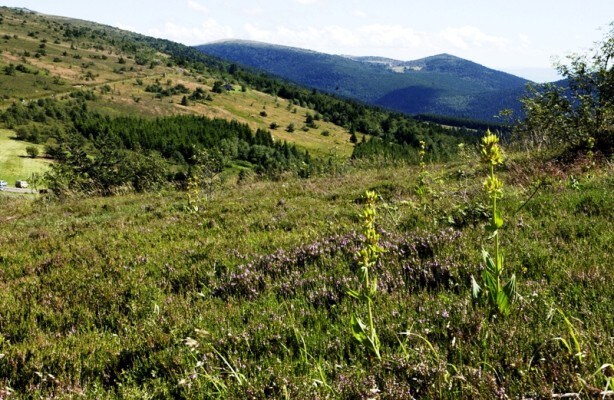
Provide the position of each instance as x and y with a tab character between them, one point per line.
3	184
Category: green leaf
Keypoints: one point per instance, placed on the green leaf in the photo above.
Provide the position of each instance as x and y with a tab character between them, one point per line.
499	263
564	343
497	219
490	264
510	288
358	329
373	288
492	229
475	288
490	281
503	303
354	294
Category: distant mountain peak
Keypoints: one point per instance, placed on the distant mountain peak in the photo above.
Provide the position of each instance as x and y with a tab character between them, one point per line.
440	84
257	44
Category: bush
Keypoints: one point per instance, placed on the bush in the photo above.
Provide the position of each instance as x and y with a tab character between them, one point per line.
32	151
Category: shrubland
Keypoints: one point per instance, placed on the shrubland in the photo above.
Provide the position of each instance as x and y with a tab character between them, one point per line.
247	297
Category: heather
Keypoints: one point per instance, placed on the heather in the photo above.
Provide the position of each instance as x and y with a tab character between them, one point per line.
138	296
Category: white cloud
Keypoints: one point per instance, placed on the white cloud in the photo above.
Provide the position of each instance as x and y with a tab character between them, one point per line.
470	36
525	41
390	36
338	39
262	35
326	38
196	6
208	31
254	12
359	14
307	2
341	36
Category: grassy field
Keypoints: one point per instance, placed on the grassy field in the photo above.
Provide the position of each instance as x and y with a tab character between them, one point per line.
14	162
134	297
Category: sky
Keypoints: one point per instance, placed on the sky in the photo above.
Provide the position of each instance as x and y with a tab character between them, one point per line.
523	37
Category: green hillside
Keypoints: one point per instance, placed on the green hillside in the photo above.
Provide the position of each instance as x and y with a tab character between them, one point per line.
442	84
45	57
209	232
66	81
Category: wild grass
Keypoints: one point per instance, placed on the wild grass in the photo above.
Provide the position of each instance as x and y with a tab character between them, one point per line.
99	295
15	164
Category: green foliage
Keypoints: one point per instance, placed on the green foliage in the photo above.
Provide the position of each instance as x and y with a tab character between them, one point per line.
422	186
204	175
107	169
218	86
32	151
577	112
160	91
102	293
170	136
9	70
101	296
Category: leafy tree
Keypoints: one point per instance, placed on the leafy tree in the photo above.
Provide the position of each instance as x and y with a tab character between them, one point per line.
207	165
218	87
580	113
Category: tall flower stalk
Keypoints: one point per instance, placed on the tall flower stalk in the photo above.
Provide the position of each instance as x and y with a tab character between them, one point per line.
498	295
421	187
367	258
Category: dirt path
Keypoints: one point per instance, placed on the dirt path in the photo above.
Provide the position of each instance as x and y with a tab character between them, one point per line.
18	190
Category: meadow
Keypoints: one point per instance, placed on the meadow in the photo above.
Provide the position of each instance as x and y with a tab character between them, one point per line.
137	296
388	275
15	164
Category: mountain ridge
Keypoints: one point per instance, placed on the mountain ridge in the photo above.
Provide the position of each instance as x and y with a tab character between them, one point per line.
441	84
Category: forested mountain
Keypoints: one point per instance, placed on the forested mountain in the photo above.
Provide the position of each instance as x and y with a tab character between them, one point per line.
442	84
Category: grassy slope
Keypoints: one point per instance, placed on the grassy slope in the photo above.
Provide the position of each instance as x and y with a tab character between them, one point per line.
103	293
14	162
84	67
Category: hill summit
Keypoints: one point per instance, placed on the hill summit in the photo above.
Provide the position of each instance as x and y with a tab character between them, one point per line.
441	84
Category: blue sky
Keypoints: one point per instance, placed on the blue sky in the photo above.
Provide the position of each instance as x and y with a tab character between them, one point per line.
520	36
